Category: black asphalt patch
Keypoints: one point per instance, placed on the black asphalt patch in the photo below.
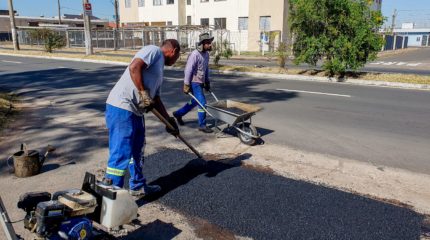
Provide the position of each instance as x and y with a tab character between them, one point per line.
260	205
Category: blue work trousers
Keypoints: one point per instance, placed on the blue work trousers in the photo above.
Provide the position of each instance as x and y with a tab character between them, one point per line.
197	89
126	147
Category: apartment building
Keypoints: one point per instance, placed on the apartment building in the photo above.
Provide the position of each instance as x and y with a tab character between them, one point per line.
219	13
233	15
247	20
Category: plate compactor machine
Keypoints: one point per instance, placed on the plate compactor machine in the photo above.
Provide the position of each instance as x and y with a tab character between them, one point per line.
70	214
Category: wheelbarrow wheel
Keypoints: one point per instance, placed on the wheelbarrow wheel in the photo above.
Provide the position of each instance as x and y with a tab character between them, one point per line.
248	128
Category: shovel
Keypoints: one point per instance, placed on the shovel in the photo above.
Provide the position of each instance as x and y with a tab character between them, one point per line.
162	119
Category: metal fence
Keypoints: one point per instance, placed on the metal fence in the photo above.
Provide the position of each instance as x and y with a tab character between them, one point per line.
137	38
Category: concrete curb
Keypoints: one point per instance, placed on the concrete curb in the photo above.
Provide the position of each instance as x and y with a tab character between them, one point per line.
327	80
254	74
67	59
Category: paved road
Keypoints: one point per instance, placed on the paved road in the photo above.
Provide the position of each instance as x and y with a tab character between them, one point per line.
258	204
383	126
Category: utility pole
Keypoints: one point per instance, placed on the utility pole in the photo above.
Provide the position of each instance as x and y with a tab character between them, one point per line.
115	31
393	23
59	13
13	26
87	26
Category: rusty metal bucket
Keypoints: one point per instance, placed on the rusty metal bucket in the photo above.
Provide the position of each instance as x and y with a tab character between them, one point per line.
27	163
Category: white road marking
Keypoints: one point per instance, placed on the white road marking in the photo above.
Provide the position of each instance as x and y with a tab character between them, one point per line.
396	63
414	64
10	61
319	93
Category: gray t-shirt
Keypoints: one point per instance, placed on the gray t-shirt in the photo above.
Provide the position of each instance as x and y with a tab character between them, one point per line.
125	95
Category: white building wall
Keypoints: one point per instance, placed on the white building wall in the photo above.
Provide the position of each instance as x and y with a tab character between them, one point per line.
415	40
229	9
163	13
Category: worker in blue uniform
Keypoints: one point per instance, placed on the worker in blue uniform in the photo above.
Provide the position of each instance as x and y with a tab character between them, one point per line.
137	92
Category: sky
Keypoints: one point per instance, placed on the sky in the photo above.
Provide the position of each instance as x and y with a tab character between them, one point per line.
417	11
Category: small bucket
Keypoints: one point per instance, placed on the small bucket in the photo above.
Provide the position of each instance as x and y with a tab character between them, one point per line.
26	162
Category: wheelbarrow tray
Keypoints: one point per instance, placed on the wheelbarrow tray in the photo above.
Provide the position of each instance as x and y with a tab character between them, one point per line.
232	112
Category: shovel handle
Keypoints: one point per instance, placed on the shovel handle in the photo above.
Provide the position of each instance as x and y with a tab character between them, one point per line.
164	120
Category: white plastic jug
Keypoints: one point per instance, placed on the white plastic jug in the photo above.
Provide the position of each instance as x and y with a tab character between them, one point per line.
122	210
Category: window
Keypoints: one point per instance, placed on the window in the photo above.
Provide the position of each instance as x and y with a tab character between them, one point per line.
169	23
127	3
265	23
157	2
204	0
188	20
170	1
243	23
188	2
204	21
141	3
418	39
220	23
219	0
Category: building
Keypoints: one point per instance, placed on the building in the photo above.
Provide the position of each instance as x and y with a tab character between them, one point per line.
417	37
245	19
67	20
264	18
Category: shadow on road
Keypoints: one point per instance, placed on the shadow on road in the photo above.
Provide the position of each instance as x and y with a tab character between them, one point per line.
190	171
156	230
57	95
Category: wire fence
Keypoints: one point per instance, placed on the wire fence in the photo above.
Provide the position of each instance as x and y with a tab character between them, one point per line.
237	41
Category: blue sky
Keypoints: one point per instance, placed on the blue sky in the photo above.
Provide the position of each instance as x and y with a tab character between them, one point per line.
409	10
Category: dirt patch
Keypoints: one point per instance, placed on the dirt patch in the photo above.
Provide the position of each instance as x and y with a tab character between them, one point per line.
207	230
219	157
264	169
394	202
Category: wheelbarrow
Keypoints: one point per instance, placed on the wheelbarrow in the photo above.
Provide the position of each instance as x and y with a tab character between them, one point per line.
236	115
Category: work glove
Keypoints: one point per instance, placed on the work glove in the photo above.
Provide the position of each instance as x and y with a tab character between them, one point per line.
187	89
175	131
145	101
207	86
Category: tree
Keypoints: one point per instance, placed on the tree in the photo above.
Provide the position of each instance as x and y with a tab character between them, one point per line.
51	39
282	54
341	33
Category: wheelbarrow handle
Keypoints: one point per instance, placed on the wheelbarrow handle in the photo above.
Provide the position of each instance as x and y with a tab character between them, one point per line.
200	104
213	95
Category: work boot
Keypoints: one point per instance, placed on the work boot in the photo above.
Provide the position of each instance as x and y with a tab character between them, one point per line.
106	181
145	191
179	119
205	129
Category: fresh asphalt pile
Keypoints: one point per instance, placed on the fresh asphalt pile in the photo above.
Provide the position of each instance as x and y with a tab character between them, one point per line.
260	205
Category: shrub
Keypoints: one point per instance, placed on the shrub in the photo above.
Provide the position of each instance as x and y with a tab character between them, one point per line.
51	39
